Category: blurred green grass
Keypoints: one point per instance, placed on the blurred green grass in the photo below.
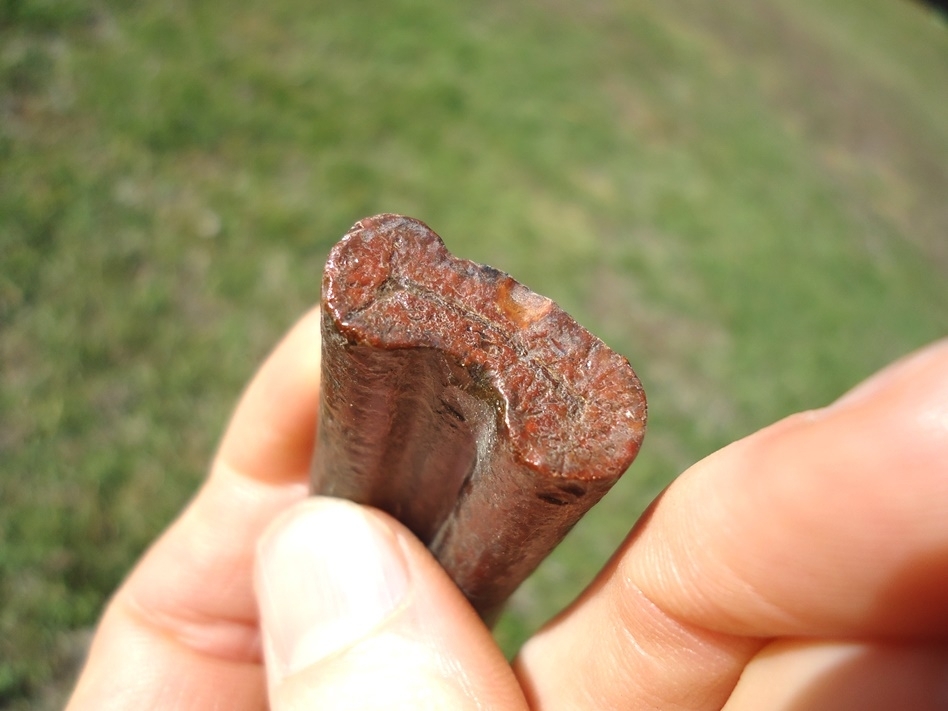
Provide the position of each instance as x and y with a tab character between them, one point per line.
746	199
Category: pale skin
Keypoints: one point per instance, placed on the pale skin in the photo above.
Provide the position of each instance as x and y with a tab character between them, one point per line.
803	567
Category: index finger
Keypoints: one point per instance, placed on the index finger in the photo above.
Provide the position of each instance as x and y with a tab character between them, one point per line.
830	523
272	433
182	631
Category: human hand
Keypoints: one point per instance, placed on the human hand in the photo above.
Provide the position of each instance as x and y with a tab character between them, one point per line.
811	557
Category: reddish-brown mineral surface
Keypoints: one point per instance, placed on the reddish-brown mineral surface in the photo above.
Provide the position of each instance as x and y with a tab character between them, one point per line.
470	408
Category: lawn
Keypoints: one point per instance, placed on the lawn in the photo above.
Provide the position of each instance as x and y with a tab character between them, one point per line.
745	199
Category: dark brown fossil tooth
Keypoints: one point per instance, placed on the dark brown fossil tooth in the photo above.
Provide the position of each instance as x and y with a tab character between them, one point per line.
475	411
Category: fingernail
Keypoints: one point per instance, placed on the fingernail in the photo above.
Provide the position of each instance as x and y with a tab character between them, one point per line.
327	575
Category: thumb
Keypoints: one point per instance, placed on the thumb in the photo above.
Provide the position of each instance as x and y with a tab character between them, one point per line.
355	613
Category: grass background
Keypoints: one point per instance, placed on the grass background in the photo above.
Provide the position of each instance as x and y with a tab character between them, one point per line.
746	199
